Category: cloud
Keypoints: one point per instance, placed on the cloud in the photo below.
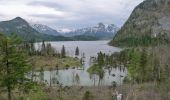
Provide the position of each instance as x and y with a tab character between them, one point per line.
46	4
48	16
2	15
69	13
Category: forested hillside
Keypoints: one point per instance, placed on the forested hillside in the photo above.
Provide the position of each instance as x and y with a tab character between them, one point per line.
149	24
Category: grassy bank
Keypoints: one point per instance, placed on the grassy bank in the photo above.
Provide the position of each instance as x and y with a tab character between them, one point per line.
144	91
50	62
67	93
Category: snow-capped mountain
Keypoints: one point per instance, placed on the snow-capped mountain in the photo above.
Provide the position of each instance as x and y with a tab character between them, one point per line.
100	31
45	29
24	31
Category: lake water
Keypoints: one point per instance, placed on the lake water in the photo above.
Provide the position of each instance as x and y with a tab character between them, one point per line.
88	49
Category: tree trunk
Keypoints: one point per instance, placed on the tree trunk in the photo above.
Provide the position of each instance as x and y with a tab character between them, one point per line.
99	82
9	93
50	78
8	72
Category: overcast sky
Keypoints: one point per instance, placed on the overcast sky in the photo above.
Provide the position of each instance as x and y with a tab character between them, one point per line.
69	13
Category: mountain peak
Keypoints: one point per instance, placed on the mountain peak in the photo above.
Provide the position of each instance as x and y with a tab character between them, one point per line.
101	25
18	18
20	27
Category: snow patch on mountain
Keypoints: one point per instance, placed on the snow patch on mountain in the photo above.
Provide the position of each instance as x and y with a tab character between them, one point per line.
45	29
100	30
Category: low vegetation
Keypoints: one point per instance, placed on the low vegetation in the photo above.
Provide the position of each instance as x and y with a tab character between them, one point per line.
49	62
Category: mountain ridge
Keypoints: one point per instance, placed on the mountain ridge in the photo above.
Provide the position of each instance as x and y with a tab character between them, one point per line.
22	29
100	31
39	32
45	29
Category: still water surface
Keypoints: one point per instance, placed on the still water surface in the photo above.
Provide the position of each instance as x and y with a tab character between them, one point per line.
88	49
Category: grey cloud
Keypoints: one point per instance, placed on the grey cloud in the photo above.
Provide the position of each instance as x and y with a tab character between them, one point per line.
91	18
2	15
46	16
91	14
91	21
47	4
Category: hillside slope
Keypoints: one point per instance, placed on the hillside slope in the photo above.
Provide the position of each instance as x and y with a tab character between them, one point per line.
149	23
20	27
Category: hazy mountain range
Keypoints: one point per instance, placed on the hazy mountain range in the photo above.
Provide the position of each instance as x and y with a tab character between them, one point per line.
99	31
41	32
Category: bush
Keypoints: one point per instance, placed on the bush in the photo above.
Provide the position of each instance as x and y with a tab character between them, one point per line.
88	96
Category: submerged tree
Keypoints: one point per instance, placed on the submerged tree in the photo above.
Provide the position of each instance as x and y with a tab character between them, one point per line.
96	70
13	64
51	77
77	79
41	74
101	76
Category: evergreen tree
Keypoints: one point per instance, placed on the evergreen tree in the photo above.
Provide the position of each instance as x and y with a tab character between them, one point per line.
166	73
32	48
63	52
143	63
13	65
133	66
50	50
100	59
43	48
156	69
77	51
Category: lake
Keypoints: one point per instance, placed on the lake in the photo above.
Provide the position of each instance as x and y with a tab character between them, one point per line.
87	49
